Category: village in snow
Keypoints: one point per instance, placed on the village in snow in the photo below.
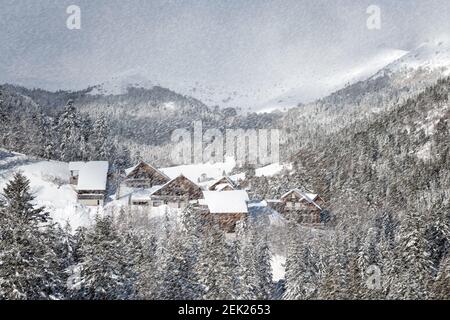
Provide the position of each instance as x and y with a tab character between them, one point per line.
76	192
224	150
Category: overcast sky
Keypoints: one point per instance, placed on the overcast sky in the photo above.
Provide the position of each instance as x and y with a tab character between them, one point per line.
232	43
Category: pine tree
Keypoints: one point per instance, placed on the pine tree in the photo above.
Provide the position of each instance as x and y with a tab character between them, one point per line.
441	285
413	260
28	256
264	270
101	144
179	281
438	233
69	126
106	273
255	271
147	271
247	261
302	270
215	268
18	199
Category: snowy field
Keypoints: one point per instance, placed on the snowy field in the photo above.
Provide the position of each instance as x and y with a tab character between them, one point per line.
49	184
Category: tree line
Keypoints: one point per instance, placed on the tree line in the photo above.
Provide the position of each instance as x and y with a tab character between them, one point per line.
69	135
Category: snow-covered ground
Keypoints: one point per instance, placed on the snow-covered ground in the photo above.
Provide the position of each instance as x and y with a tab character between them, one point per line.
278	267
272	169
211	171
195	172
49	184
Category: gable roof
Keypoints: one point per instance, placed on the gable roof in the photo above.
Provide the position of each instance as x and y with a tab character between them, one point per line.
144	194
221	181
93	175
309	197
227	201
172	181
142	163
222	186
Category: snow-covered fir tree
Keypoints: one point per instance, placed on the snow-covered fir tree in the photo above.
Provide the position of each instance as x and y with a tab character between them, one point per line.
302	270
28	255
215	266
106	273
70	128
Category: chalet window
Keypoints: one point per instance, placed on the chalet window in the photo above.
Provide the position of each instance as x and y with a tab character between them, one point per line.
298	205
289	204
140	203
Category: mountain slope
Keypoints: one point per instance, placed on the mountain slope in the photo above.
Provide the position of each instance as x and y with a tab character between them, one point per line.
389	87
396	163
433	55
140	119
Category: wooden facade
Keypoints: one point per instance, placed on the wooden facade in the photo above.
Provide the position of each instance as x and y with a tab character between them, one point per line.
302	207
226	208
177	193
227	221
91	197
145	176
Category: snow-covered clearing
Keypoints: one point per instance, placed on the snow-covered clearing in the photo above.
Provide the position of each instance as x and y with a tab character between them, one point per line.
278	267
272	169
49	184
196	172
211	171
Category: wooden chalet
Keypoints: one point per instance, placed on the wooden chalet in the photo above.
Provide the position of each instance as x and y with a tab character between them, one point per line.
90	181
304	207
144	176
223	184
176	193
226	208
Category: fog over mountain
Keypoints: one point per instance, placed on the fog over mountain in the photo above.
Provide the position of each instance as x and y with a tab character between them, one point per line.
234	53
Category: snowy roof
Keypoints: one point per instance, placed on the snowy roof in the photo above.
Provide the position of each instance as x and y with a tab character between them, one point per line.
76	165
226	201
92	175
144	194
221	186
181	176
306	195
130	170
310	197
262	203
273	201
222	182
